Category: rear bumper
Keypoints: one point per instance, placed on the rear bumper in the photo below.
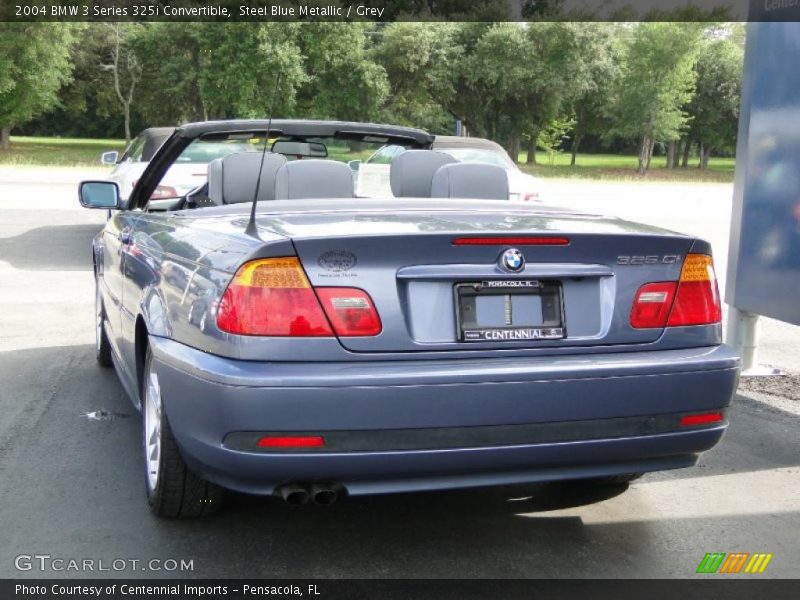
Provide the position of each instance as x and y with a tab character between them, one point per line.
421	425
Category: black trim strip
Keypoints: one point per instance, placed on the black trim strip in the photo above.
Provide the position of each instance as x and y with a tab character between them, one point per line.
441	438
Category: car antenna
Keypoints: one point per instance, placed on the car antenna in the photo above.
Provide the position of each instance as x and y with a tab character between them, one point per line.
251	228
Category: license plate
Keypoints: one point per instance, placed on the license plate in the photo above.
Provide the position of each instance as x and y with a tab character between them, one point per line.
510	311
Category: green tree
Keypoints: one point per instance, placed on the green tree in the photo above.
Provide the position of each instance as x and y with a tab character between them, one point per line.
34	64
124	66
656	82
246	69
447	76
599	52
408	51
519	78
553	135
218	71
429	66
714	108
344	82
504	73
88	105
502	80
186	54
566	55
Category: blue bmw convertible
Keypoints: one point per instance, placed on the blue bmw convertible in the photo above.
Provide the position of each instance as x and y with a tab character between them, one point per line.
283	336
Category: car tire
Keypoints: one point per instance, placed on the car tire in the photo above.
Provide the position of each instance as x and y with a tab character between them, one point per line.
173	490
102	346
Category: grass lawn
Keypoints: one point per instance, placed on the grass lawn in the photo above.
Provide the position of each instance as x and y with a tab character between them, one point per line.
621	167
62	152
70	152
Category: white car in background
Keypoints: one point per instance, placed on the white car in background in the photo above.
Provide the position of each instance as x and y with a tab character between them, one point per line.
129	167
372	175
189	171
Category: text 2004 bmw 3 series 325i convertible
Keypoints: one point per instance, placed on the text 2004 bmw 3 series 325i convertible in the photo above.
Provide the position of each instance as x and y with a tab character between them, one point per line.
440	338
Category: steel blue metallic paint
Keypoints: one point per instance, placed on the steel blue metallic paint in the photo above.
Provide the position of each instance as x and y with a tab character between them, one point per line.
162	275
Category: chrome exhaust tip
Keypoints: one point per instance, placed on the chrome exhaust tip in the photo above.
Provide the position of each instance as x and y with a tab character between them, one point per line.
323	495
294	495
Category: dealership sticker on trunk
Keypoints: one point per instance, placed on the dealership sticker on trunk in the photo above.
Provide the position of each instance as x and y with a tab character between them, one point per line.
337	263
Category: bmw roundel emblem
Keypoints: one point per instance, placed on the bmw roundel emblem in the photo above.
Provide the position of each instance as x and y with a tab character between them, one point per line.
512	260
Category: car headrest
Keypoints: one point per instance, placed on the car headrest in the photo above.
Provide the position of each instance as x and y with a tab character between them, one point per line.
411	172
313	178
479	181
232	178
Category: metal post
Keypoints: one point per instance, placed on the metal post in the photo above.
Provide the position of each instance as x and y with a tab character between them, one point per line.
742	335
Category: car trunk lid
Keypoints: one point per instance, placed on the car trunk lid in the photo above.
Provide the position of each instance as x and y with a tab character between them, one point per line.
403	254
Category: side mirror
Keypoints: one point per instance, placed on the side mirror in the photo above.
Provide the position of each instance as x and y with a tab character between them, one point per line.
99	194
109	158
354	165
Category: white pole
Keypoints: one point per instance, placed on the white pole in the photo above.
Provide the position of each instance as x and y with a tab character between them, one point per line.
742	335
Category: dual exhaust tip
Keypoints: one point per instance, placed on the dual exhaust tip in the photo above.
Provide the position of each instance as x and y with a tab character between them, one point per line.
321	494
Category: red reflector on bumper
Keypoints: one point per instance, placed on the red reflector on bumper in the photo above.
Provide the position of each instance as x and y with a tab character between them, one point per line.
306	441
511	241
701	419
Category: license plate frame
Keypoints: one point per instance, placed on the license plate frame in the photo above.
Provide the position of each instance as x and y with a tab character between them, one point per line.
550	293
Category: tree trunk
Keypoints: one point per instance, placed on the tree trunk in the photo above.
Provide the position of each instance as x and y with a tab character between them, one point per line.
127	123
531	158
645	149
671	150
576	141
704	156
700	150
687	148
678	151
5	137
513	146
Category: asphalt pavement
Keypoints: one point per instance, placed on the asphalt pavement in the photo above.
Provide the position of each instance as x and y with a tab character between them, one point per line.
72	487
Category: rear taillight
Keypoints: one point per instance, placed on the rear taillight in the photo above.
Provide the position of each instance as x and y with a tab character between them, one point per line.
697	299
693	300
350	311
164	191
652	304
530	197
273	297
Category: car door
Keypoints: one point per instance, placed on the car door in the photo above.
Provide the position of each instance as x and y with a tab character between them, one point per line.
139	270
112	274
117	237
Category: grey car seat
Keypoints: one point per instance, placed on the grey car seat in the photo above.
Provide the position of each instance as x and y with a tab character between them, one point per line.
232	178
411	173
313	178
479	181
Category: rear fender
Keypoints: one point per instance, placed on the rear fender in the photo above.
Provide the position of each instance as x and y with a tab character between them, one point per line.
153	310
